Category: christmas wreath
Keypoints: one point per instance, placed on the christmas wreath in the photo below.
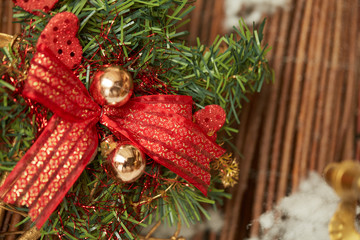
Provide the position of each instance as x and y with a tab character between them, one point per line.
111	122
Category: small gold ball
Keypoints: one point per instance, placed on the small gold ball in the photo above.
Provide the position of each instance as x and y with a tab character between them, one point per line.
107	146
128	163
112	86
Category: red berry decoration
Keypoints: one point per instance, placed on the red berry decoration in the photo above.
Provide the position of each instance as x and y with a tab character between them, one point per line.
33	6
210	119
60	36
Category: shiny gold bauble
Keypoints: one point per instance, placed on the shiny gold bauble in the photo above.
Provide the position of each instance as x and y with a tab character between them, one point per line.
128	163
112	86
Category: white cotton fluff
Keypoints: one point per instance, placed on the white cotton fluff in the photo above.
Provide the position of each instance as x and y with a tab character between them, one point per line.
252	10
303	215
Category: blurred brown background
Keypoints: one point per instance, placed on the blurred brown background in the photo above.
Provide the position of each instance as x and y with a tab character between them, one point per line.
306	119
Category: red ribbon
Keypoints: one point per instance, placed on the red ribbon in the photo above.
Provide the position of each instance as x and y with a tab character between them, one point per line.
160	125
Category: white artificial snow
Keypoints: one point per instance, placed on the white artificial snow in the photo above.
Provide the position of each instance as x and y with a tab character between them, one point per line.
216	221
251	10
303	215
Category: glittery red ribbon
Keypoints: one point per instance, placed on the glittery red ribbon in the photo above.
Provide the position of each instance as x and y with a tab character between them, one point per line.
160	125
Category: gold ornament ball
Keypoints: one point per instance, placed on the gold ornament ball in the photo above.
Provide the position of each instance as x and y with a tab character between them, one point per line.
112	86
128	163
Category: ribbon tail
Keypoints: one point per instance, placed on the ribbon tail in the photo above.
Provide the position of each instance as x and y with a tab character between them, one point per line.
50	167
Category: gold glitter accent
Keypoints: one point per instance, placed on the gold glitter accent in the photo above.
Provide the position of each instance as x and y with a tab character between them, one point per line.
228	169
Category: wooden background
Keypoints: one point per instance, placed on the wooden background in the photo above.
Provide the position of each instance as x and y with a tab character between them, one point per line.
306	119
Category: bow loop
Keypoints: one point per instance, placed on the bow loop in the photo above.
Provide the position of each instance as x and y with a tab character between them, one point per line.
52	84
181	105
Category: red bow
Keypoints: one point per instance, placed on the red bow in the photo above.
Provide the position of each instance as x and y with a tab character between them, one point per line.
160	125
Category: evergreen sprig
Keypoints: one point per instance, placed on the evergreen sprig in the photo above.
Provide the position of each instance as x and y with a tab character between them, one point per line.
139	35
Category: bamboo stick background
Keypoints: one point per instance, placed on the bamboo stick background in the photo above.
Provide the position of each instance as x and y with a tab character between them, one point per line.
306	119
